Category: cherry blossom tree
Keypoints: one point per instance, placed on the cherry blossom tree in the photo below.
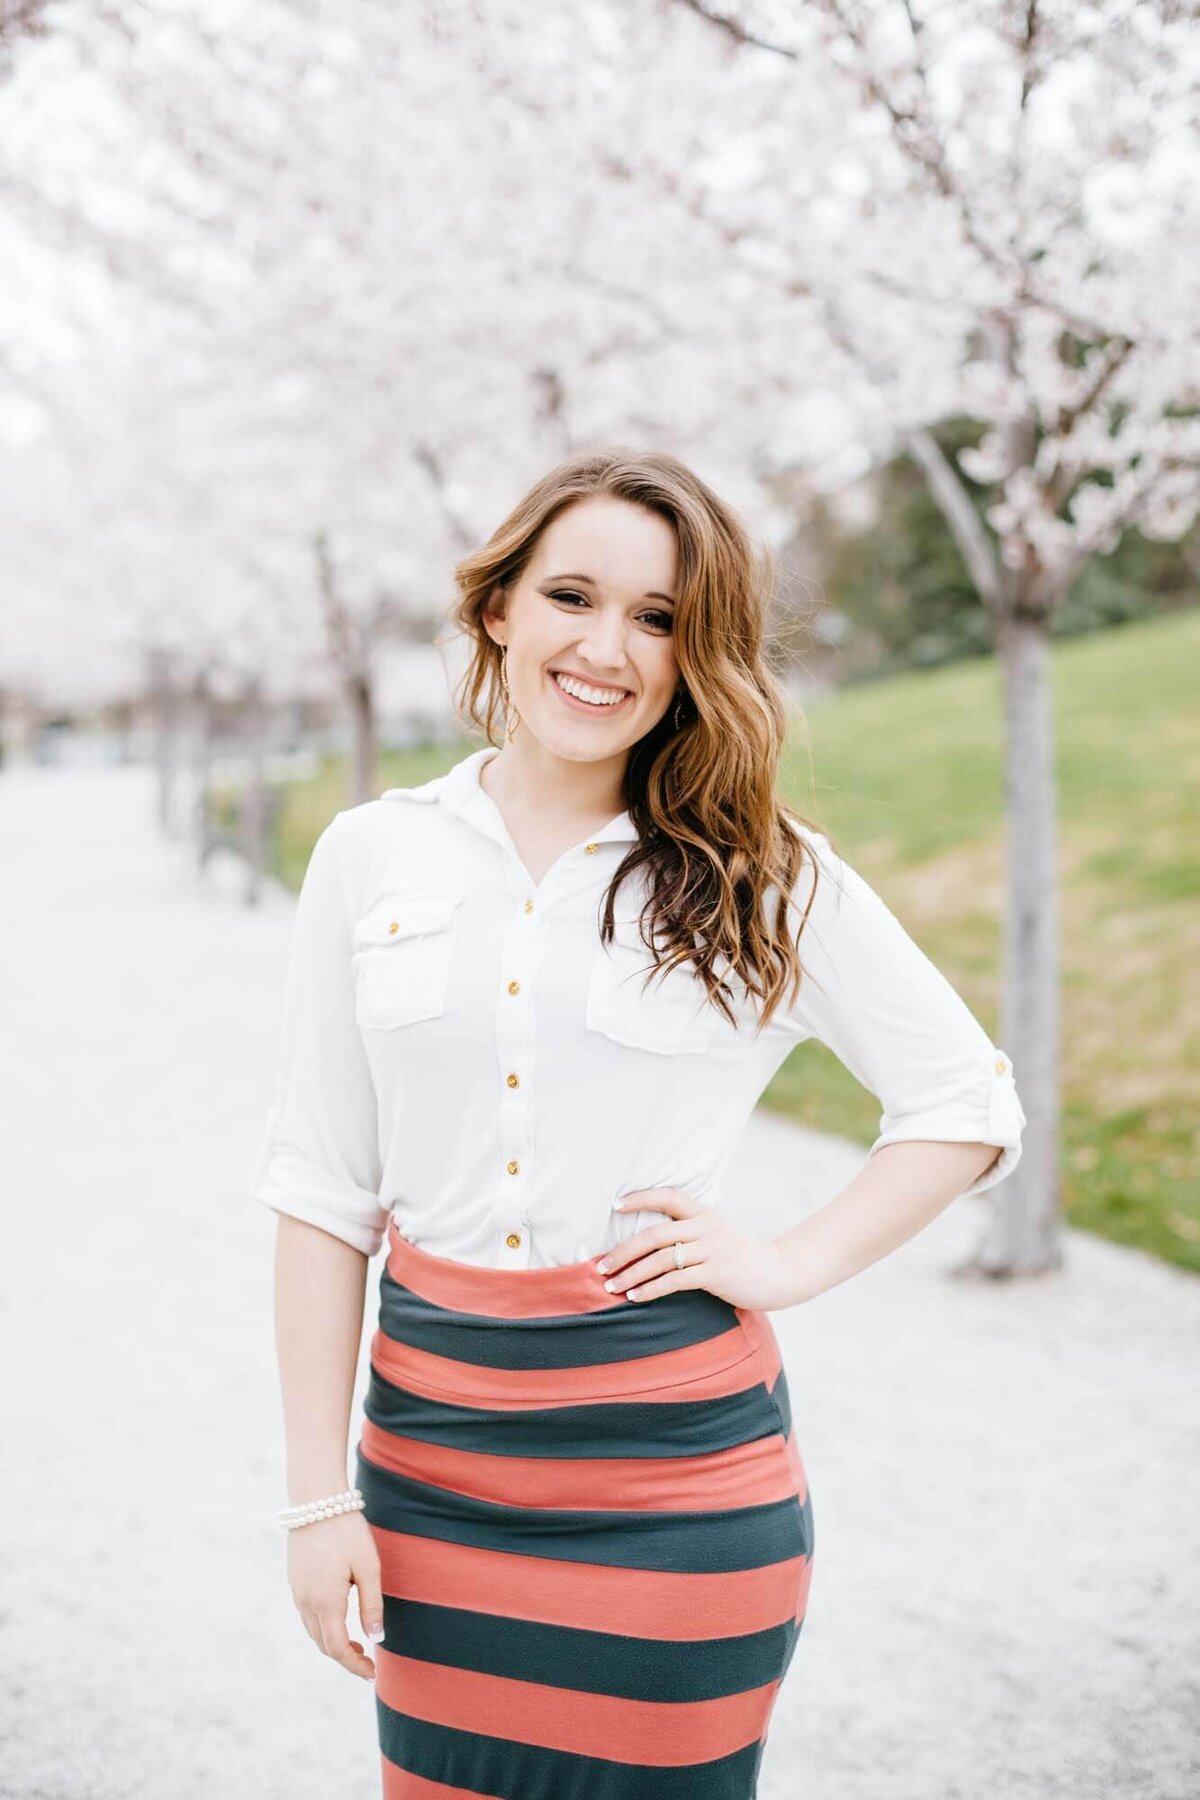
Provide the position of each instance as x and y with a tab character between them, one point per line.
991	209
357	335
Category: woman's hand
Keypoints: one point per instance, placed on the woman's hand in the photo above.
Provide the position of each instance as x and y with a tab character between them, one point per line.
745	1271
324	1559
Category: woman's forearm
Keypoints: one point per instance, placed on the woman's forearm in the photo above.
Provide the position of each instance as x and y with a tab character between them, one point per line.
320	1289
898	1191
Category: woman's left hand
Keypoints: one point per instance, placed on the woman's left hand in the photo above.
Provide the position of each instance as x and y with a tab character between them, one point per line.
745	1271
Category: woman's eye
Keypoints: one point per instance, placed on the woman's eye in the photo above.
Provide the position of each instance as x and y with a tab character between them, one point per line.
663	621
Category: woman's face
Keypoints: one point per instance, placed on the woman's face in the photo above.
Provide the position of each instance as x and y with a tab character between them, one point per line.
594	608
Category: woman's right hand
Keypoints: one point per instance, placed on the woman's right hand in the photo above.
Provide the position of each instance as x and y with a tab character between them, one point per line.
324	1559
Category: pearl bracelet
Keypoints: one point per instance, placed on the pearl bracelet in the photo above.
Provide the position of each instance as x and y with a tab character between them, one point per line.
350	1500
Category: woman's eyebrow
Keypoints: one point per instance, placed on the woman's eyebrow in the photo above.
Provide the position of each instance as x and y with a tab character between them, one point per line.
653	594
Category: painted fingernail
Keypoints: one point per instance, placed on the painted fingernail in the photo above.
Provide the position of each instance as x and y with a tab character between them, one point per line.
609	1286
603	1267
631	1293
375	1633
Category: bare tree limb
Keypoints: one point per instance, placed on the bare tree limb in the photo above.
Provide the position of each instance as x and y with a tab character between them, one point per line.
734	29
954	502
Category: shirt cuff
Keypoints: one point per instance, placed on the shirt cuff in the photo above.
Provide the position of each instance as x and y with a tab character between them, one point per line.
986	1109
289	1183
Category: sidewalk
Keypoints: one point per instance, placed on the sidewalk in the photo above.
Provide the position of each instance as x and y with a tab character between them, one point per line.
1005	1598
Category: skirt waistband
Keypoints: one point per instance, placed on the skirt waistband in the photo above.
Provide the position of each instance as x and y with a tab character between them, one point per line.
499	1293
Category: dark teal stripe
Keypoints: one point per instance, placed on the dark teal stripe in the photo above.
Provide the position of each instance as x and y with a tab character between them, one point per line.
591	1662
574	1341
782	1399
597	1428
745	1537
507	1770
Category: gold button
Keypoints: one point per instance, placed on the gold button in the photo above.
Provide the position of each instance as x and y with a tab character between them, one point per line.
513	1240
514	987
1001	1065
394	926
513	1080
514	1168
590	847
529	906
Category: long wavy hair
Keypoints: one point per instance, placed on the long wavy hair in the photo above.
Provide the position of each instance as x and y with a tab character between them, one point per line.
721	851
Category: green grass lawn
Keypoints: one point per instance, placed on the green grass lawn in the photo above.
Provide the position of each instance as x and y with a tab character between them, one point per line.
906	774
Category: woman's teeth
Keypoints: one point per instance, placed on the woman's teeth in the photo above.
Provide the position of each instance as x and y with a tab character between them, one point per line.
592	695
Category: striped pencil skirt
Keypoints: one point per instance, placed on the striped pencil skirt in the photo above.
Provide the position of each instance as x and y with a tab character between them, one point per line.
594	1529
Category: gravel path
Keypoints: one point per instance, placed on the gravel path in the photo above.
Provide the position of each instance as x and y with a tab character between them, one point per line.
1005	1598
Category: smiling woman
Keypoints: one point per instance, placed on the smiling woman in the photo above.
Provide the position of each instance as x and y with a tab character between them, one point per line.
604	647
531	1005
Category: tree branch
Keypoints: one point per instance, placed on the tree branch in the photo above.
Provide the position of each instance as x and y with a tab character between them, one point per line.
733	28
1055	583
954	502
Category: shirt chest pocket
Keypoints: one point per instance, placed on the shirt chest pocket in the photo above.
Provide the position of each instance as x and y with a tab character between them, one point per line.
403	947
670	1015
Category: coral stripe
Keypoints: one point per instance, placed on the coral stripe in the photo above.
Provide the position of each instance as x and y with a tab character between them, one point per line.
796	1465
694	1372
519	1294
668	1734
749	1474
678	1607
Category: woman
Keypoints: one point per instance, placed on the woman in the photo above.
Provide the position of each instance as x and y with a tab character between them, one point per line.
586	1535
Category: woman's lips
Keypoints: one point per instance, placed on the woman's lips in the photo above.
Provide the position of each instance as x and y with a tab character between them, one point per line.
588	706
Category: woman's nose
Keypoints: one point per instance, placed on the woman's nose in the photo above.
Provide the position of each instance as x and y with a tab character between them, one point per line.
604	653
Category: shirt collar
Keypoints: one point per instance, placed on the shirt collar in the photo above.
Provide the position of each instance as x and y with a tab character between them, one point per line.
459	791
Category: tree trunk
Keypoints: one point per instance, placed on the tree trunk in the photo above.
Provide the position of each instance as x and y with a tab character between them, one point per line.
350	647
254	819
1023	1235
360	699
197	759
164	713
202	752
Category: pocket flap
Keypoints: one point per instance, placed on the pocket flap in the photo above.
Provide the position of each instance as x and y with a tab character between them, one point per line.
670	1015
630	950
627	934
398	916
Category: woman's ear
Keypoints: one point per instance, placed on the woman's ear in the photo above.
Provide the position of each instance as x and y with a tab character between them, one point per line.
495	612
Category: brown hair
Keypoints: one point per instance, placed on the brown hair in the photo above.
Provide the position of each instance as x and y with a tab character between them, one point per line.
716	839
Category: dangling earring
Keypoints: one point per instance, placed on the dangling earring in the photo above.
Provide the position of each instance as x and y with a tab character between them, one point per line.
512	717
678	706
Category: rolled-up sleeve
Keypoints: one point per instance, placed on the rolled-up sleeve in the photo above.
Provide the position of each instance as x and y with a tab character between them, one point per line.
873	997
319	1154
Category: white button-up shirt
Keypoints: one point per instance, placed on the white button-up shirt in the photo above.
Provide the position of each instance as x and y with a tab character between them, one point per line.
461	1051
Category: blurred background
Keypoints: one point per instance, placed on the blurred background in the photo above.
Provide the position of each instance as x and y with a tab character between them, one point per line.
299	298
